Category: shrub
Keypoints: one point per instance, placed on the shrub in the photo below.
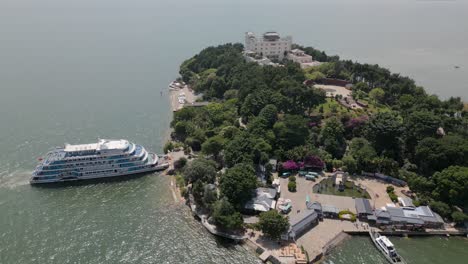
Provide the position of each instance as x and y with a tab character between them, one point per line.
169	146
292	186
390	189
292	178
184	192
180	181
393	197
459	217
180	163
347	212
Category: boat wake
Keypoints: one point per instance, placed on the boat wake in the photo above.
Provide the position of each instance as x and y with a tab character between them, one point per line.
14	179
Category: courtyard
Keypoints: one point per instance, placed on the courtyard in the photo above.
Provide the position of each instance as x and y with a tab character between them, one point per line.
327	186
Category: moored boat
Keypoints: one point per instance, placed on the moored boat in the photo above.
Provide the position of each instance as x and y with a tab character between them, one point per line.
104	159
386	247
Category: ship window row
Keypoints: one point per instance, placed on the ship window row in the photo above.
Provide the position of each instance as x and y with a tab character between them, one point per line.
99	172
58	167
81	153
136	168
137	151
48	177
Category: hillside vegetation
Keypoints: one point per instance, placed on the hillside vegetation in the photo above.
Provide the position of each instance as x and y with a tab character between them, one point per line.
257	113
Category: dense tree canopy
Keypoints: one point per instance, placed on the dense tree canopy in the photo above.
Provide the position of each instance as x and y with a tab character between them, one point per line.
384	130
225	215
455	180
332	138
200	170
273	224
238	183
262	112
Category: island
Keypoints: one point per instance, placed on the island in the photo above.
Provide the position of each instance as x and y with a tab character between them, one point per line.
288	149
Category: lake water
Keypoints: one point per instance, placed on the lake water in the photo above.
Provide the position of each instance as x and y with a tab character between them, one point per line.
434	250
76	71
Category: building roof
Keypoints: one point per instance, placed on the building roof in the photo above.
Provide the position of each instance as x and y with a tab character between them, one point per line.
407	202
314	206
409	215
102	144
263	200
330	209
297	222
363	206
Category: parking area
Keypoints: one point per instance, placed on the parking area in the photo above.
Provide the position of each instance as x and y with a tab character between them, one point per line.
304	189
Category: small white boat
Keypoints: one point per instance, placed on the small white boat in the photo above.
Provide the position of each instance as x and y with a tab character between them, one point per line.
174	85
384	245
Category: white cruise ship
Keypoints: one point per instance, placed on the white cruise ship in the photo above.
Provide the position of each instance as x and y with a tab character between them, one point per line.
107	158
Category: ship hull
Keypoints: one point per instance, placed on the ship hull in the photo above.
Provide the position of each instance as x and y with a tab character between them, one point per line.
374	236
124	175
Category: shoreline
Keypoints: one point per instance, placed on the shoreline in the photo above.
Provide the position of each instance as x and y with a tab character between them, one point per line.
248	243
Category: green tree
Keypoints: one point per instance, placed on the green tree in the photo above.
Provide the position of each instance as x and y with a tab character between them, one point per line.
384	131
258	126
239	149
451	185
273	224
332	138
210	195
169	146
419	125
181	130
200	170
377	94
238	183
436	154
270	114
198	189
363	153
441	208
225	215
230	94
292	131
459	217
350	164
213	146
292	185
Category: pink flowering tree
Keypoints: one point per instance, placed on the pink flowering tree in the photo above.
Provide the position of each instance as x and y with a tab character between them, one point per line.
356	122
290	165
314	162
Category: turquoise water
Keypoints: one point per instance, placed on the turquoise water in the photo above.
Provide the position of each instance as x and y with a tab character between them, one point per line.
76	71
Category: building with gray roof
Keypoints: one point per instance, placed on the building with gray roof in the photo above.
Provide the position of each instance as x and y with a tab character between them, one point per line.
330	211
300	223
315	206
405	202
407	217
263	200
363	208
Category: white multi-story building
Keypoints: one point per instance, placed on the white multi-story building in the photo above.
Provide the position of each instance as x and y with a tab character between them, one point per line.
299	56
303	59
271	45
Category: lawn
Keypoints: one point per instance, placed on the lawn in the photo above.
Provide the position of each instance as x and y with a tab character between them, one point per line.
331	106
351	190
